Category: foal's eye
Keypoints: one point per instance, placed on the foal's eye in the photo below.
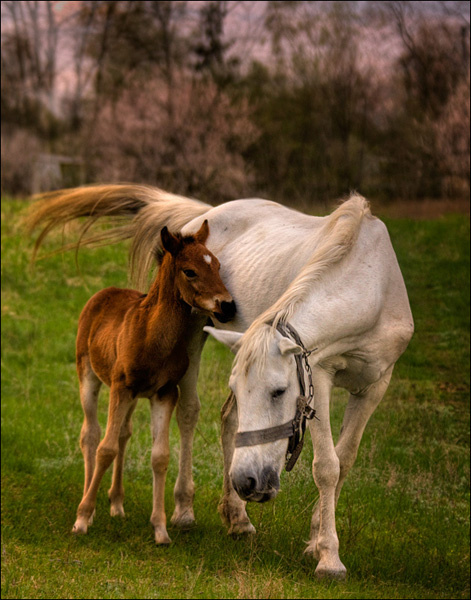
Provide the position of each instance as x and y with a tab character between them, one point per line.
278	393
189	273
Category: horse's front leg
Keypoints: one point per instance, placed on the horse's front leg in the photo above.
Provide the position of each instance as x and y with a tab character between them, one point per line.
232	507
188	409
161	413
359	409
326	471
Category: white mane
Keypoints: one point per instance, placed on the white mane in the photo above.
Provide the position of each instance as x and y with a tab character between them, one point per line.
332	242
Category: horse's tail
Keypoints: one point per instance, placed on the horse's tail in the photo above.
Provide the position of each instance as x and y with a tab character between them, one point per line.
133	211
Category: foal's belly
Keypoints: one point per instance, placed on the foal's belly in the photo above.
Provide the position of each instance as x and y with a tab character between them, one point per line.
148	380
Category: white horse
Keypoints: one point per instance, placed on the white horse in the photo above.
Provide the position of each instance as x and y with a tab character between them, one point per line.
334	279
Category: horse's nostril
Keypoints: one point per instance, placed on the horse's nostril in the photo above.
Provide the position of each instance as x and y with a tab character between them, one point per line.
244	485
251	484
270	479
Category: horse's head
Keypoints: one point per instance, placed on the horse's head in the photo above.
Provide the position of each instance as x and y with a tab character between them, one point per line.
265	384
197	274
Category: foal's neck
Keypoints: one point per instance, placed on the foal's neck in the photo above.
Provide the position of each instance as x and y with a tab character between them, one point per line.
166	307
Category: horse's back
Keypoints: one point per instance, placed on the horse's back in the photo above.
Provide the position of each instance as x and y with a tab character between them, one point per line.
261	246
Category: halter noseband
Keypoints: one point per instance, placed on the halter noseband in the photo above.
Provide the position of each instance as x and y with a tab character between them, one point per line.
294	429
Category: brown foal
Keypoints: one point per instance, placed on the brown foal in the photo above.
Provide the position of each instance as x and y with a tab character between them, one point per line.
136	344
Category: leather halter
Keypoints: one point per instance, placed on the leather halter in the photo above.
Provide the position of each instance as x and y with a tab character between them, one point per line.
295	428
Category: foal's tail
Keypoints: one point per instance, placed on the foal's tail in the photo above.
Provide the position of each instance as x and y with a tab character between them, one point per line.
133	211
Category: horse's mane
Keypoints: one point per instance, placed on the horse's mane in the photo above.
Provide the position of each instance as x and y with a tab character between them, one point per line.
333	241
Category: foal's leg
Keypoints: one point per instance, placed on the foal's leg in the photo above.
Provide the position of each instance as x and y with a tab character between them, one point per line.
359	409
326	471
161	412
188	409
91	432
121	402
116	491
232	507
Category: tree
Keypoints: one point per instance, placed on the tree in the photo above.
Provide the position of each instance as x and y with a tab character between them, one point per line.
423	139
211	46
317	104
29	65
135	140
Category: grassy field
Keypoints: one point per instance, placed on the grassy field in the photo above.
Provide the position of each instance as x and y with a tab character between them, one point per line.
402	519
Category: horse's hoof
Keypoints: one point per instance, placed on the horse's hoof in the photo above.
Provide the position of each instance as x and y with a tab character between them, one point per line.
338	573
311	552
184	520
242	528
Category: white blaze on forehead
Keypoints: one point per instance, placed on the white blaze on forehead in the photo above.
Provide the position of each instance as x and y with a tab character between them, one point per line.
207	258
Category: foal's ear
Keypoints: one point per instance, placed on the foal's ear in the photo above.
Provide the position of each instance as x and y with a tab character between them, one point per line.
169	242
202	234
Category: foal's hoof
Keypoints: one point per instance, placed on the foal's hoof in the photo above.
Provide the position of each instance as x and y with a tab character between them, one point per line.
80	526
117	511
162	538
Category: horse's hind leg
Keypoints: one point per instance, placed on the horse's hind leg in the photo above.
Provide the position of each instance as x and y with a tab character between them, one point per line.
161	413
121	403
357	413
116	491
91	432
232	507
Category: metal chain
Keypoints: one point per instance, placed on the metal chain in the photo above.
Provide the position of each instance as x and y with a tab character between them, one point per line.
307	366
309	411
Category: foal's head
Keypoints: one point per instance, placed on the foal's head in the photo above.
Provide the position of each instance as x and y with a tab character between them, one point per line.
197	273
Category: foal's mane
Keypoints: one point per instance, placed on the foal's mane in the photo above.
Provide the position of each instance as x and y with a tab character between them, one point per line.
333	241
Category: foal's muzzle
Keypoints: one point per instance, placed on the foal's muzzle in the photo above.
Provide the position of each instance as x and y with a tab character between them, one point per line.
257	487
228	311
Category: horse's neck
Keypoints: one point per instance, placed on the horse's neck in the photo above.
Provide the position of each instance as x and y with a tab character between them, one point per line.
337	310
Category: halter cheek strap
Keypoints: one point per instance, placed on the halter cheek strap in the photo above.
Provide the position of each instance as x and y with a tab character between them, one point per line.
294	429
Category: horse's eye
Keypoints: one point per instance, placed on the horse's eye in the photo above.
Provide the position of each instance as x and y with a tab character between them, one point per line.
278	393
189	273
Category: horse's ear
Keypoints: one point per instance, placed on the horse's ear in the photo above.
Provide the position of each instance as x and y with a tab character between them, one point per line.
202	234
287	346
230	338
169	242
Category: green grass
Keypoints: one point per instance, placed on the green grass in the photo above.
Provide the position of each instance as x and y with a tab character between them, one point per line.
402	519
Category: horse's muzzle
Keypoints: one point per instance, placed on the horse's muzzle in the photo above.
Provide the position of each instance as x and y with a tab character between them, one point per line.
228	311
257	488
